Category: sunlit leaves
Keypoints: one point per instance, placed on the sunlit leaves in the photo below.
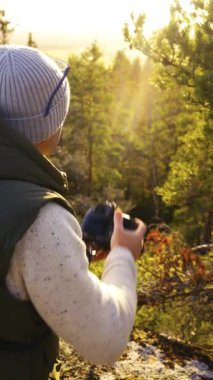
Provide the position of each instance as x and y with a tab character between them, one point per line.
184	47
184	52
170	270
174	284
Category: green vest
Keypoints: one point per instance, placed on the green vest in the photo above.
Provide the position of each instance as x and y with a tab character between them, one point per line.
28	347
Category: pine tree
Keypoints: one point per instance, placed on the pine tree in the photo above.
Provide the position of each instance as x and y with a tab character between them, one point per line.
31	42
183	51
5	28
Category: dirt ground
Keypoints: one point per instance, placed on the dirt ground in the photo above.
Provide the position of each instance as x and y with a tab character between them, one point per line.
147	357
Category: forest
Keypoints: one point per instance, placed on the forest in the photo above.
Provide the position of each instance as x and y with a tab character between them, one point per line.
140	133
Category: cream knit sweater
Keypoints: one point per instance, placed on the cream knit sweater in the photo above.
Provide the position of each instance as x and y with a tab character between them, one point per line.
50	267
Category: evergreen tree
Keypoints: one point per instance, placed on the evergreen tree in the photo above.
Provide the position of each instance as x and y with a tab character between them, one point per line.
31	42
183	51
88	134
5	28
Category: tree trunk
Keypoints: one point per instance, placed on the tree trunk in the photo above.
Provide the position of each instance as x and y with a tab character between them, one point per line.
207	230
90	160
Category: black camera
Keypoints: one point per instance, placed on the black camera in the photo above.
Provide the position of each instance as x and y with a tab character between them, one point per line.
97	226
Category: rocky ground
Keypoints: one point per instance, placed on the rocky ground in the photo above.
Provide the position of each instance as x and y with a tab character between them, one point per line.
147	357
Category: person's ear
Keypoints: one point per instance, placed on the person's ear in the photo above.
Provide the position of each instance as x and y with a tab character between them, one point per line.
48	146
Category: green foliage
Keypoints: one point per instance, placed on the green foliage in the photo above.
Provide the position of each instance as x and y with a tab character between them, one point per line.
132	136
184	47
189	183
97	268
174	289
140	133
99	133
88	132
180	321
183	52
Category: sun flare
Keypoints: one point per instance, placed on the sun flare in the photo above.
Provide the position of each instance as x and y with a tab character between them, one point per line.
81	15
70	23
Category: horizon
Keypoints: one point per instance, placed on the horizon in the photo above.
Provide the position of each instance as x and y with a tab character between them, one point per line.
66	27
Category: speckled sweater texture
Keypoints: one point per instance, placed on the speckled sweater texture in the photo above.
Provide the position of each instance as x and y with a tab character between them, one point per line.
50	267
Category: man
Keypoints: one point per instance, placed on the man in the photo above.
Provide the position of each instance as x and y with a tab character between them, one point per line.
46	288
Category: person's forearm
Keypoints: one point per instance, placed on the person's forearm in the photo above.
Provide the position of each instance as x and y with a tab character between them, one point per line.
95	316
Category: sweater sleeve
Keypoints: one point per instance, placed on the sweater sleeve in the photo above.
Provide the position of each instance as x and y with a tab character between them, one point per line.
95	316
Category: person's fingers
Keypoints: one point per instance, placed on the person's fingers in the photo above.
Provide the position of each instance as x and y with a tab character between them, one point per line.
141	227
118	222
118	218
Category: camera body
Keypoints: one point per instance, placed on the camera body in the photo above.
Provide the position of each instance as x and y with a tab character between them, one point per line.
97	226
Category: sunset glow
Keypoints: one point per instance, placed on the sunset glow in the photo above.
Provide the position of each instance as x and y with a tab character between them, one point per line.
67	22
81	15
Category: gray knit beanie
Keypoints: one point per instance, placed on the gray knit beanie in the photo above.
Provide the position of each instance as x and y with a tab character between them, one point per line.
34	92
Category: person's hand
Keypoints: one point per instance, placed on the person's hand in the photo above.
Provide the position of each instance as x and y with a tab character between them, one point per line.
131	239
